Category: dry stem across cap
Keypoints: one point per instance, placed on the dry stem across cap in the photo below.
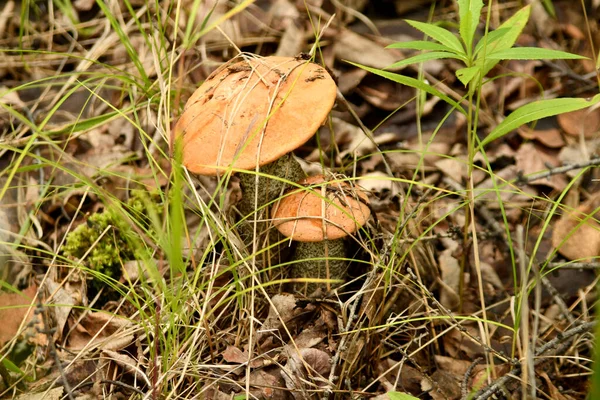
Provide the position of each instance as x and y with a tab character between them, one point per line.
258	109
299	215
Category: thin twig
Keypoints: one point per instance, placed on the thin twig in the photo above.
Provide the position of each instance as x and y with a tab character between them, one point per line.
464	386
561	338
573	265
522	180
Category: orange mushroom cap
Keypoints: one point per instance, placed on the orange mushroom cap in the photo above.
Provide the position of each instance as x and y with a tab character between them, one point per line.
258	109
299	215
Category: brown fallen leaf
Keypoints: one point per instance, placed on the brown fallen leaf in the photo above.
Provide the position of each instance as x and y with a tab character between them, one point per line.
553	391
295	372
452	365
399	376
234	355
52	394
450	277
13	310
548	137
268	384
98	328
531	159
127	363
441	386
353	47
577	234
585	121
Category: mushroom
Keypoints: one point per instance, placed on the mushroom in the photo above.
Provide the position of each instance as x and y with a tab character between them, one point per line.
252	114
319	217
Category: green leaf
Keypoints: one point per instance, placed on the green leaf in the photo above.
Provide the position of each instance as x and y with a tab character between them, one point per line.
514	26
414	83
537	110
12	367
466	75
419	45
490	40
469	12
82	125
442	35
434	55
400	396
532	53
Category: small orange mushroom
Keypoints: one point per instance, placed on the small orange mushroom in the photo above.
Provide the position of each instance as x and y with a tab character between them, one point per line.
318	220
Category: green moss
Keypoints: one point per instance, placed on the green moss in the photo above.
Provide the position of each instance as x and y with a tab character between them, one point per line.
120	243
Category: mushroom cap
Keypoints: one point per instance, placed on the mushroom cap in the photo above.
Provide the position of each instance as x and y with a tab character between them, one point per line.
258	109
299	215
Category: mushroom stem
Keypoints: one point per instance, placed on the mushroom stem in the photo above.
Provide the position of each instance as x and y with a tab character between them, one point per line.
320	260
255	196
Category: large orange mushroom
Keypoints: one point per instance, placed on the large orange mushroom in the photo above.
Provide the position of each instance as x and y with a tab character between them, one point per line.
253	113
319	217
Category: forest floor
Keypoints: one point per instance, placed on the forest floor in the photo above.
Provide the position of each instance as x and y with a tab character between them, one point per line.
126	276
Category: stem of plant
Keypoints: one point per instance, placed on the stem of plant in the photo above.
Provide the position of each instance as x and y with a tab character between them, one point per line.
258	190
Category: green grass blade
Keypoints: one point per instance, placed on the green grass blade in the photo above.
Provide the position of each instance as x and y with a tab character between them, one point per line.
412	82
400	396
433	55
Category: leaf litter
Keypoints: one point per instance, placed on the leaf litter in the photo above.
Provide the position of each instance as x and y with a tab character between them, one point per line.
409	319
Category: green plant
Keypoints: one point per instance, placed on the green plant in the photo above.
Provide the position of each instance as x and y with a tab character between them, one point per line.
479	57
493	47
107	240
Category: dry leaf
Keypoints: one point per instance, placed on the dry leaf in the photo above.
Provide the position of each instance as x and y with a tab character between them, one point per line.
282	310
295	373
51	394
65	297
292	41
450	276
265	384
234	355
377	182
553	391
548	137
406	378
11	98
531	159
13	309
99	328
129	364
445	386
83	5
454	366
353	47
576	240
586	121
308	338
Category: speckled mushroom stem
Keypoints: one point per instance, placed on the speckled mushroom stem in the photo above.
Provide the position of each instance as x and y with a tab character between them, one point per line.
255	196
320	260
